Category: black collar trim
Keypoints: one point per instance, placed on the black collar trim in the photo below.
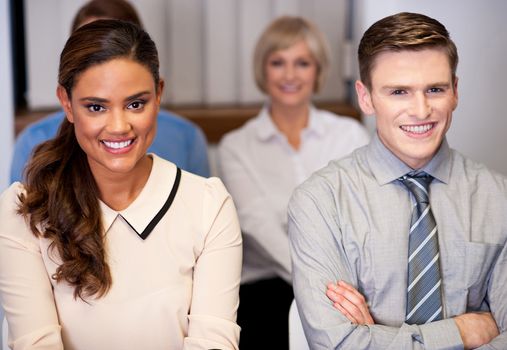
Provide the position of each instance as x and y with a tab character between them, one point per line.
162	210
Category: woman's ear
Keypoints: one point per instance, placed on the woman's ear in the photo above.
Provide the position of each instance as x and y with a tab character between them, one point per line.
62	95
364	98
160	91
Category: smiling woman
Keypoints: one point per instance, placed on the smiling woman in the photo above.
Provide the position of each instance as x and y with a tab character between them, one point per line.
106	246
114	107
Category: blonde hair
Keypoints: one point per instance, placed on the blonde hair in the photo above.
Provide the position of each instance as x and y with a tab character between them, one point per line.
282	34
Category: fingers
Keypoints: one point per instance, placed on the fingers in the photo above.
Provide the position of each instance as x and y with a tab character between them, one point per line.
476	328
349	302
344	311
347	308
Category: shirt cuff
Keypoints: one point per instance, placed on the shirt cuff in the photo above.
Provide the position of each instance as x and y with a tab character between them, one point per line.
442	334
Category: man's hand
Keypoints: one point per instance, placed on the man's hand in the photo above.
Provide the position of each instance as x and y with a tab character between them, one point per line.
349	302
476	328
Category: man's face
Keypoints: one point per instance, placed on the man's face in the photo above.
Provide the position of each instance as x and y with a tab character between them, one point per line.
413	96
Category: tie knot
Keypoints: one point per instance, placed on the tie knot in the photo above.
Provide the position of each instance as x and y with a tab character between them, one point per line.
418	184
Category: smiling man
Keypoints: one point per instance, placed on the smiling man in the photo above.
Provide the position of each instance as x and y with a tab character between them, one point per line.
401	245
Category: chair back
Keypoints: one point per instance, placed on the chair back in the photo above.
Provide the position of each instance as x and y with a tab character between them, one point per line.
297	339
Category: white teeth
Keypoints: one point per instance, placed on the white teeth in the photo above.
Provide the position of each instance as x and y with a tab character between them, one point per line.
417	129
289	88
117	145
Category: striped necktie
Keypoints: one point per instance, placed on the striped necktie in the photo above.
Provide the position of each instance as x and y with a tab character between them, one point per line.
424	301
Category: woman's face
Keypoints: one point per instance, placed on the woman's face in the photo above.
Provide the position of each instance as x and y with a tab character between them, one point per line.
114	107
290	75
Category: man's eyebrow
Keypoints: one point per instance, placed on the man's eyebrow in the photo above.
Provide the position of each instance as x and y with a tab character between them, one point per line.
395	87
406	87
440	84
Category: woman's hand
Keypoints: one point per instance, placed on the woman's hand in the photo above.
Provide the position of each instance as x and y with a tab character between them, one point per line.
349	302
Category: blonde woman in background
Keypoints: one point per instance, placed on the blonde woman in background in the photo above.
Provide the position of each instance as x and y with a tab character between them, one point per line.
263	161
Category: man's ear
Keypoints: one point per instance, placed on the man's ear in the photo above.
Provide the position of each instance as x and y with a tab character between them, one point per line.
364	98
62	95
455	92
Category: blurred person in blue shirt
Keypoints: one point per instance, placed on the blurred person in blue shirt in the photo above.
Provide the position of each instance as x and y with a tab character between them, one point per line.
177	140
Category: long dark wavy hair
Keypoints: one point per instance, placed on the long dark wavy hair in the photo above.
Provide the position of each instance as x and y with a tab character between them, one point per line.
61	201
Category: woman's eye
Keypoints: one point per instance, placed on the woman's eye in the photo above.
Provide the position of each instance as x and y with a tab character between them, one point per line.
136	105
303	63
276	63
95	108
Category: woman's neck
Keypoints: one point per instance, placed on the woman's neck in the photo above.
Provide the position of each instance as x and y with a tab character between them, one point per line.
291	120
118	191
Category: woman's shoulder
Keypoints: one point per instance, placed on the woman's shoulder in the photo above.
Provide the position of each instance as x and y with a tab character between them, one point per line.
189	184
336	119
14	224
10	197
197	185
241	134
343	125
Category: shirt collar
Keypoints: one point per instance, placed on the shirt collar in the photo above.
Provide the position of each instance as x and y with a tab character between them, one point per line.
386	167
440	165
315	124
149	202
266	128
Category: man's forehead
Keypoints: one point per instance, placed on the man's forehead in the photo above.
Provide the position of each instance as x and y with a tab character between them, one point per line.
408	67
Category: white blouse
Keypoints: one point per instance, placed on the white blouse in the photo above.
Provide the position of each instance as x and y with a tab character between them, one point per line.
260	169
176	289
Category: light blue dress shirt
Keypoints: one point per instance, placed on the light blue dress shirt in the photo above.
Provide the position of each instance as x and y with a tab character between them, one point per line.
350	221
178	140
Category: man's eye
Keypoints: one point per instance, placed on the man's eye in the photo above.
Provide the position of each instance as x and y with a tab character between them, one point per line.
398	92
95	108
435	89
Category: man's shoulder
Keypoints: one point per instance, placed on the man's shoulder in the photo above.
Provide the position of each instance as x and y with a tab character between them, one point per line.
345	171
470	171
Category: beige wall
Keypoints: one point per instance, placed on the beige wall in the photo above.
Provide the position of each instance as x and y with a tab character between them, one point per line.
205	46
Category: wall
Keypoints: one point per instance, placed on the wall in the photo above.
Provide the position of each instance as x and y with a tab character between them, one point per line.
205	46
6	95
6	101
479	30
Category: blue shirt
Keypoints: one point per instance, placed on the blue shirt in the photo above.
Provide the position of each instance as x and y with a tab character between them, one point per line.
350	221
178	140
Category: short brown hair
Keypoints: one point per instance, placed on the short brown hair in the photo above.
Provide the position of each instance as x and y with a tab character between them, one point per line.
282	34
403	31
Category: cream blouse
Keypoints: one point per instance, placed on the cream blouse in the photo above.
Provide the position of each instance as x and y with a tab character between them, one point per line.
175	289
